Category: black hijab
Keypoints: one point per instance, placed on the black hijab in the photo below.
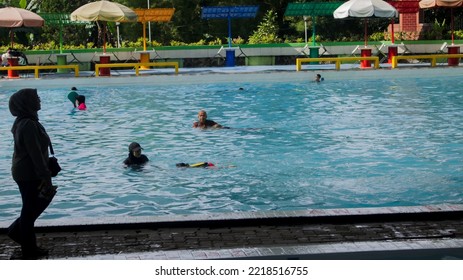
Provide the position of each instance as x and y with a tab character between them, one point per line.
24	104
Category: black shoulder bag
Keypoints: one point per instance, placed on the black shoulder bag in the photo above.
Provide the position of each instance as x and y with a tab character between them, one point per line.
53	164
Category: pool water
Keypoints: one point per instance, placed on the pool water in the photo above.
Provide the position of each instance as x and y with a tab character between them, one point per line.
291	146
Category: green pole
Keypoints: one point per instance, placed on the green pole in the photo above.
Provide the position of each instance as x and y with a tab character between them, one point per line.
313	30
60	37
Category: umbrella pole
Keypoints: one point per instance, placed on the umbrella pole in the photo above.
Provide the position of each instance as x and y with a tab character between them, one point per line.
104	38
229	31
451	24
366	31
11	37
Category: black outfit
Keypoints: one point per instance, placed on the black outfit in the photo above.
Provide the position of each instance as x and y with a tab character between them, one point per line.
29	168
132	160
208	123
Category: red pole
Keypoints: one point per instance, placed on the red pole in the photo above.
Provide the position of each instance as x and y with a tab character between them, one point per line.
392	30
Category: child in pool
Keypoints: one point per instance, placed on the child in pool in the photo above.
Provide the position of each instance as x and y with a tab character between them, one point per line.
80	102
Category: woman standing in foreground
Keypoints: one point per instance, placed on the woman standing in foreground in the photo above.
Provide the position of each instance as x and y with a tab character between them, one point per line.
29	168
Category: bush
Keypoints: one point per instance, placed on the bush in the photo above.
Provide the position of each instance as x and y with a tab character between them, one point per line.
267	30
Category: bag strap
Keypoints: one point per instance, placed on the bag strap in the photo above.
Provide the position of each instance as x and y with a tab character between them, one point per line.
51	149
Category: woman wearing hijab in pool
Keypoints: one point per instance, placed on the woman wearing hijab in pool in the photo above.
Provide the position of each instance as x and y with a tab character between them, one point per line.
204	123
135	158
29	168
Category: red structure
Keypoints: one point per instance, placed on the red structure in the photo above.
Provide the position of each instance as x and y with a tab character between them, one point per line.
408	15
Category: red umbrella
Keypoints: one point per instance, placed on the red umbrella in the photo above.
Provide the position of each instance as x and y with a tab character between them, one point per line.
12	17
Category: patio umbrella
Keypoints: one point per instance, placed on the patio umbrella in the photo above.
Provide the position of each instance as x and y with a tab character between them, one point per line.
12	17
104	11
365	9
424	4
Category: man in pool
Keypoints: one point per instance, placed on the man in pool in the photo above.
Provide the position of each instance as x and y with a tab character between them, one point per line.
204	123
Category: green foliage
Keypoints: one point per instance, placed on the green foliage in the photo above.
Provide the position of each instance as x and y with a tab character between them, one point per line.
238	41
436	32
458	34
216	41
377	36
267	31
177	43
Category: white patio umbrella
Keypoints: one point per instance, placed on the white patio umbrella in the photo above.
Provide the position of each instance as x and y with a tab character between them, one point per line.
424	4
104	11
365	9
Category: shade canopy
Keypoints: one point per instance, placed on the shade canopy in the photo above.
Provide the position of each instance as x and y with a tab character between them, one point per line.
440	3
11	17
424	4
229	12
312	9
366	8
104	11
316	8
16	17
60	20
155	15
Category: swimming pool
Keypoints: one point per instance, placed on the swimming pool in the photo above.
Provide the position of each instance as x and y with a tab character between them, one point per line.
293	145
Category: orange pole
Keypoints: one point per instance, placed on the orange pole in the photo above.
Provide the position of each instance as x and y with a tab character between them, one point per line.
144	35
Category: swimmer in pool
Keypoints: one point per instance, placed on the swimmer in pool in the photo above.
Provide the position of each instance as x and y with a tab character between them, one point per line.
80	102
135	156
318	78
196	165
203	164
73	95
204	123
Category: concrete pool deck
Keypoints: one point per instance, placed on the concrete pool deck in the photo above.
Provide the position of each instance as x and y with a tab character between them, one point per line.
393	233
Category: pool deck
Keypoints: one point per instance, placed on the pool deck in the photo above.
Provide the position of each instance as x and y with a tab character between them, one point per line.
393	233
166	76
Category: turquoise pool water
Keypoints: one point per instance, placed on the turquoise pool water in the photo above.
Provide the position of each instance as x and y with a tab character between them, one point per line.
292	146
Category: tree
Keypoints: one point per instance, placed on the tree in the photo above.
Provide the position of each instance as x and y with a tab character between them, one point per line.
267	31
